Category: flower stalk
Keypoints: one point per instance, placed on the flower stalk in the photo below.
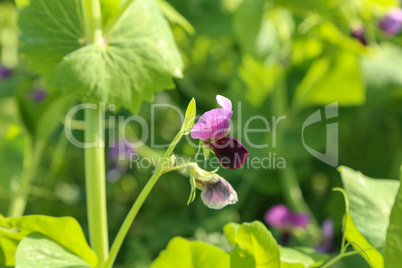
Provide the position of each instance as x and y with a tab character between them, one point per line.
118	241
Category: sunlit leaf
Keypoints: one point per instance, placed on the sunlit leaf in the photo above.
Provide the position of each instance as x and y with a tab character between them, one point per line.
301	257
393	246
66	231
370	202
181	253
332	78
367	251
189	118
254	245
37	251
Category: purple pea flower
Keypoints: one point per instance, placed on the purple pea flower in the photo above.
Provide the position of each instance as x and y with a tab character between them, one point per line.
38	95
121	151
213	127
118	156
360	35
280	217
327	243
391	24
5	72
217	193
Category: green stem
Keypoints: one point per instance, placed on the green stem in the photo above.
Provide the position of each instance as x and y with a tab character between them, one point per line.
95	185
138	204
334	260
93	21
290	184
95	156
32	158
346	254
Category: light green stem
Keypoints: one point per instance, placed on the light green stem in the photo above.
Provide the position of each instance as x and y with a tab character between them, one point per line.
290	184
95	185
95	156
32	158
138	204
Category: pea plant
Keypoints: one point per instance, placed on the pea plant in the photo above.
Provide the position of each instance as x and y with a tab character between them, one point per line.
120	53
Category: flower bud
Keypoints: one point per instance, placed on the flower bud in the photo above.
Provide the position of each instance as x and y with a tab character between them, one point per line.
218	193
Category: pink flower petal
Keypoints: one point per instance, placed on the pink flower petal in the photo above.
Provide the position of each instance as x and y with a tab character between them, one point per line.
212	125
224	102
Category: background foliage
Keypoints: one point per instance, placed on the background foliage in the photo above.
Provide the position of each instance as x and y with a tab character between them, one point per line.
247	51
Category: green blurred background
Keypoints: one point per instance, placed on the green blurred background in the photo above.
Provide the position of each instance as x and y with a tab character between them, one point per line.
282	57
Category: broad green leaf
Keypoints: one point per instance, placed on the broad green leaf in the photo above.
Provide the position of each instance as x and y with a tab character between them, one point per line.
137	59
254	245
49	31
370	202
181	253
2	258
301	257
37	251
382	66
65	230
8	246
321	84
352	234
393	246
189	118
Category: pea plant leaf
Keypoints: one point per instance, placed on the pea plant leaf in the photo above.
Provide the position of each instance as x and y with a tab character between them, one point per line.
301	258
189	118
254	245
65	231
393	246
181	253
367	251
137	57
370	203
36	251
320	85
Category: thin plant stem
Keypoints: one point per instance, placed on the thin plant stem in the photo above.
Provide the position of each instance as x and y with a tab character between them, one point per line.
290	184
32	158
118	241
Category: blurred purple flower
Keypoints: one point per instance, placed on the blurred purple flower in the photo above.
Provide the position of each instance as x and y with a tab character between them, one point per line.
217	193
119	156
38	95
360	35
5	72
121	151
213	127
280	217
391	24
327	243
